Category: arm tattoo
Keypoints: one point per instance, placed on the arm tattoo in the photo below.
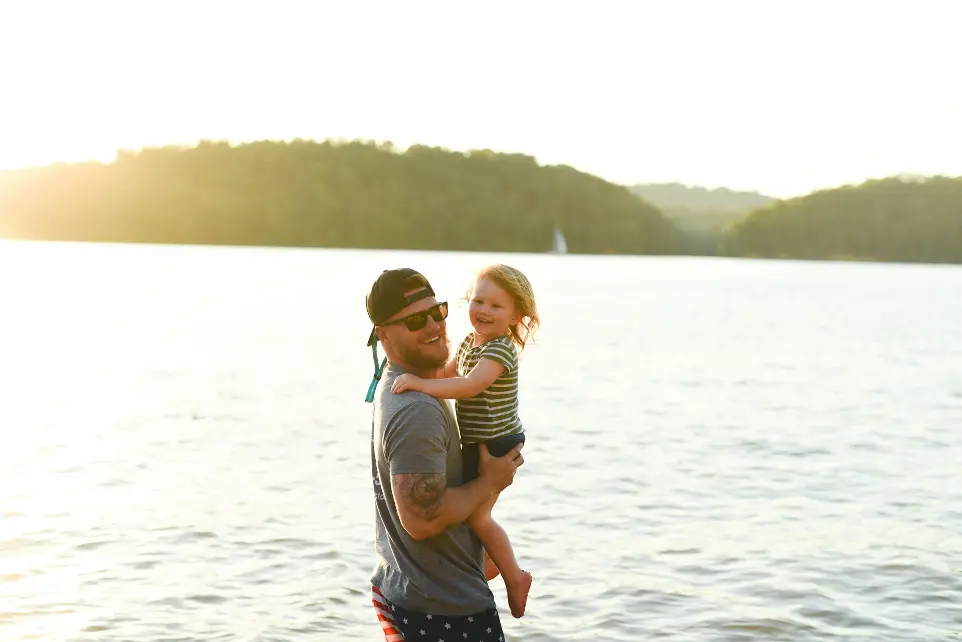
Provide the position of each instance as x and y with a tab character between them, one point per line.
422	493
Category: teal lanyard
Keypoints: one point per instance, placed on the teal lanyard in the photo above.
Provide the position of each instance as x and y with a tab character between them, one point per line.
378	371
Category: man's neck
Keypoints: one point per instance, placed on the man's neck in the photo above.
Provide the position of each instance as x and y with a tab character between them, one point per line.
418	372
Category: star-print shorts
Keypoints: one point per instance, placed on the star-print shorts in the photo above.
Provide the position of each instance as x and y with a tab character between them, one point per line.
400	624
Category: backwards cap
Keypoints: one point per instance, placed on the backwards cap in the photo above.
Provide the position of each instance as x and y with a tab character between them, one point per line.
388	295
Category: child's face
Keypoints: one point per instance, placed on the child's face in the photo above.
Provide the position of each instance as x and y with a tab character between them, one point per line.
492	311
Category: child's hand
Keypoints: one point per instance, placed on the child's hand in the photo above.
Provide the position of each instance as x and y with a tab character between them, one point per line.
406	382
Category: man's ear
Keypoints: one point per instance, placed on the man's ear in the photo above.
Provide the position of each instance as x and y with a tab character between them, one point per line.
382	334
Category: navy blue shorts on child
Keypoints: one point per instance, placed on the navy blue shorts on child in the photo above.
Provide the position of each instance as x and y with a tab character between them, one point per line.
497	447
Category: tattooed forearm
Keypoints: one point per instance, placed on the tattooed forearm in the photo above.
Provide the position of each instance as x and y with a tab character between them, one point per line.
421	493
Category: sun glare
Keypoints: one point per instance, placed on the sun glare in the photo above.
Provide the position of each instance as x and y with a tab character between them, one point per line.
17	156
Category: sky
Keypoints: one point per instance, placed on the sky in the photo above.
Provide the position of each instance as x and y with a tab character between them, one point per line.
781	97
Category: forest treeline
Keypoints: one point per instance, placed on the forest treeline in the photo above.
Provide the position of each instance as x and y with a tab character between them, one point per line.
326	194
905	219
370	195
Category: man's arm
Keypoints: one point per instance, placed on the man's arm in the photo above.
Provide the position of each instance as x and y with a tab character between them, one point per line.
427	507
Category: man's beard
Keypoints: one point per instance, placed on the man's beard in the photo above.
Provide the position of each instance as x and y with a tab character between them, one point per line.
416	358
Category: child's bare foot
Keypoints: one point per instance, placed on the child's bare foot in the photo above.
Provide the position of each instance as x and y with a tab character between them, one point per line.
518	593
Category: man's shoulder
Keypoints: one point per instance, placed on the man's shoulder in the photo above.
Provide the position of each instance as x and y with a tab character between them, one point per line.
408	407
408	402
413	422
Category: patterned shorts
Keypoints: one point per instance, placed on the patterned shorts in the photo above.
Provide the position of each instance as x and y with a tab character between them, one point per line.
400	624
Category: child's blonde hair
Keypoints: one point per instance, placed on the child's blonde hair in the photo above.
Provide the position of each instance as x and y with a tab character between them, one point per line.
514	282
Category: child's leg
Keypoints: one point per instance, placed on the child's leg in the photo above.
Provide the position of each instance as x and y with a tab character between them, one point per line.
498	546
495	540
491	569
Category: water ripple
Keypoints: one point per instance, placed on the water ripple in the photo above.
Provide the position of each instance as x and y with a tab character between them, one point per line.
736	465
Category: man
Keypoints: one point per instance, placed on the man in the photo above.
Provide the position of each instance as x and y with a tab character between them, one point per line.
429	583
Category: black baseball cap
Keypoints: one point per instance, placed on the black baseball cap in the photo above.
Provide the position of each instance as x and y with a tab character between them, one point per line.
387	296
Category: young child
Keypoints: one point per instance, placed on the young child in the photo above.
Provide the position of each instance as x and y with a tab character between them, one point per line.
483	377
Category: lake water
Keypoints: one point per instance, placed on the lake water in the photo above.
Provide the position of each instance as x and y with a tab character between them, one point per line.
718	449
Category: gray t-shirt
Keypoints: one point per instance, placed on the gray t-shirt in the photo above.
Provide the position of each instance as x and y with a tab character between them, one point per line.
443	575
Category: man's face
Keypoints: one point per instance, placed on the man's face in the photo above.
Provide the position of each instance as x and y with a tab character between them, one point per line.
424	349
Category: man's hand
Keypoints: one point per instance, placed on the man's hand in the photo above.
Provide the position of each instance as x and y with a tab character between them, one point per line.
499	471
406	381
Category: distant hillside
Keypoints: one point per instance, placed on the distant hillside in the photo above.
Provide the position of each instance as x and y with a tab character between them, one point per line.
893	219
694	198
306	193
700	214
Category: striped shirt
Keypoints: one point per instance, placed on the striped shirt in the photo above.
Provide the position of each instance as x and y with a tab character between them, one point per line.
494	411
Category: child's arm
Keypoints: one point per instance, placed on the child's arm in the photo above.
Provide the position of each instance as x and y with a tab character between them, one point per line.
480	377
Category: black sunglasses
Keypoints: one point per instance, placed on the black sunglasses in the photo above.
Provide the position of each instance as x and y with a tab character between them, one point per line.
418	320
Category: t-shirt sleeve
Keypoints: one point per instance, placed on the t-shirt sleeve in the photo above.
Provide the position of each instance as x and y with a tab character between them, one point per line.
459	358
415	441
501	352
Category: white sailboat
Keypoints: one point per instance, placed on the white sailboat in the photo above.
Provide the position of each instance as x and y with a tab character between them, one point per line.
559	244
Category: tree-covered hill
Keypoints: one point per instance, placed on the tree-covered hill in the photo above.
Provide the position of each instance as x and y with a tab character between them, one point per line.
327	194
892	219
